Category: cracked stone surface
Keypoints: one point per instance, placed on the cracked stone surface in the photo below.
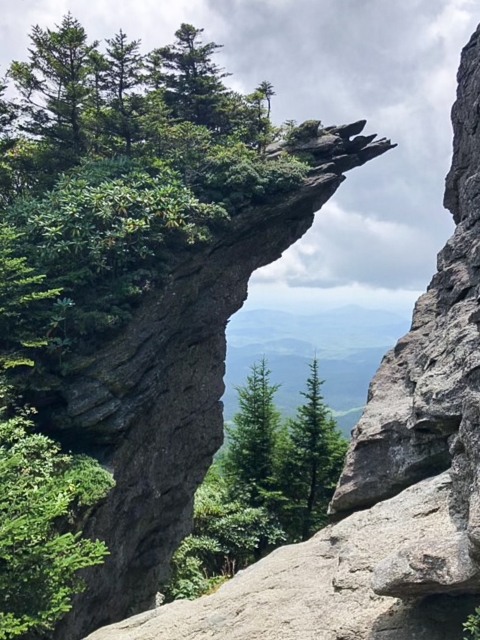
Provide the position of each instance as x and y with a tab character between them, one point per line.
321	589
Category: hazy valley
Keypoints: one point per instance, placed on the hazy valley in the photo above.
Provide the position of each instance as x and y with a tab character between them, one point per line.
349	342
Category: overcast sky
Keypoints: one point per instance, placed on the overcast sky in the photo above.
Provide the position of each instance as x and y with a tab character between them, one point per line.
393	63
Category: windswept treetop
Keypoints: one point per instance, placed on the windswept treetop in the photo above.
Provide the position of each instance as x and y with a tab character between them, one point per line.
78	99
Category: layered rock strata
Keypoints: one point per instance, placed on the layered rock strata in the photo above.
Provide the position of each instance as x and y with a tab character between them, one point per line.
148	403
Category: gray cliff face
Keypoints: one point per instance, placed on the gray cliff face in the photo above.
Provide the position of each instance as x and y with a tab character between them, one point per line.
148	403
403	562
423	413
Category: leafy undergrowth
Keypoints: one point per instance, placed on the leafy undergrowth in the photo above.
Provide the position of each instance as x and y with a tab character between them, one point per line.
44	496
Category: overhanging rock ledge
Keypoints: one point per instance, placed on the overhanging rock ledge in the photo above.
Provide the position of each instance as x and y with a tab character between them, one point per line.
148	403
404	562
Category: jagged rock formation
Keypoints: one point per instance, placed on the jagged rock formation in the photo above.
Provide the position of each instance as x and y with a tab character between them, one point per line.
412	477
423	413
148	403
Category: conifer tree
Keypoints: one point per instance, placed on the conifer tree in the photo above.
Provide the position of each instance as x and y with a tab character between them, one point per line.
154	73
8	115
41	551
54	88
265	88
193	82
123	87
94	113
22	290
313	451
249	459
263	130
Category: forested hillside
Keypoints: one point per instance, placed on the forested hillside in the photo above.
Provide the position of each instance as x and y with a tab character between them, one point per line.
349	343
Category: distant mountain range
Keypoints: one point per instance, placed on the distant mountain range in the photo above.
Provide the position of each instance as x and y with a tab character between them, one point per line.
349	343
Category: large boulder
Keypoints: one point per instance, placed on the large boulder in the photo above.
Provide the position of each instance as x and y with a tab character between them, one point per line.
321	589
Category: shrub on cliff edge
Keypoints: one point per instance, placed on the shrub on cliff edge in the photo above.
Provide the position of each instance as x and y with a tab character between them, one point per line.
44	494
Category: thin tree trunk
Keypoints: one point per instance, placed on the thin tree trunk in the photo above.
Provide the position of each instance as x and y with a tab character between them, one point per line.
310	503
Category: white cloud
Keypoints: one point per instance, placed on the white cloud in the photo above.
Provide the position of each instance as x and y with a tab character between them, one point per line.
347	247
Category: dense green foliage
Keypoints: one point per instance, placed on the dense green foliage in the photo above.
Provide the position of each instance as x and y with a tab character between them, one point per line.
104	226
271	485
44	495
54	88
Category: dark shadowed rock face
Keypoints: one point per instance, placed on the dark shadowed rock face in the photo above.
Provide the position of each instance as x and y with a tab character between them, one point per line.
148	403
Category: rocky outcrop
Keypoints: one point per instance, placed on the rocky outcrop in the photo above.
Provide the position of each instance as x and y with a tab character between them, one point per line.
321	589
423	410
423	413
148	403
403	561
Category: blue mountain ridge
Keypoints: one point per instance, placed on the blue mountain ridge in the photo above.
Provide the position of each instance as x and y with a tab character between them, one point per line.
349	343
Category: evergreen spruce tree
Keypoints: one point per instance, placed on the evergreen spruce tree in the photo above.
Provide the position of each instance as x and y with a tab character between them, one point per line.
311	459
94	113
154	73
41	551
264	131
54	88
123	85
265	88
249	459
193	83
